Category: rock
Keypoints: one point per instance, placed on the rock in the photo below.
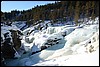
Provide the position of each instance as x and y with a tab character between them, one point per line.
63	34
2	60
7	50
12	40
43	47
16	39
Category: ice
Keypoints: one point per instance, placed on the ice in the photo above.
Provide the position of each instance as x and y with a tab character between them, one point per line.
73	60
52	30
29	39
26	31
60	59
96	20
79	35
25	62
19	24
6	29
78	47
17	55
27	46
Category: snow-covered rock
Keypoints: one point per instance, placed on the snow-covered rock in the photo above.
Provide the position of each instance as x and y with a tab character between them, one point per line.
10	37
60	45
20	24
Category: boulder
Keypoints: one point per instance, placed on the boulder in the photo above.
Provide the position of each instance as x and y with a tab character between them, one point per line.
11	43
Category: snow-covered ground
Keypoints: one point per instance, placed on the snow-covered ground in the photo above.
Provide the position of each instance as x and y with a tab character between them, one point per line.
91	59
75	56
67	45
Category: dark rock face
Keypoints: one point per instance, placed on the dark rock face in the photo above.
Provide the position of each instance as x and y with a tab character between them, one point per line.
2	60
63	34
43	47
16	39
7	50
52	41
49	43
10	43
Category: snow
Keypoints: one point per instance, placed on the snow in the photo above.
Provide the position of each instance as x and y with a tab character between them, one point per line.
2	37
51	30
17	54
19	24
60	59
6	29
78	47
73	60
79	35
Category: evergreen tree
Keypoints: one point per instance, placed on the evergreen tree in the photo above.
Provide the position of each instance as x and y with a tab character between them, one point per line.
96	8
70	11
77	12
57	10
93	7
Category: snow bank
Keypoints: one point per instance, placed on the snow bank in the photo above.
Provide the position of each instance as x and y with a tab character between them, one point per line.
67	45
19	24
51	30
43	38
6	29
79	35
9	34
91	59
73	56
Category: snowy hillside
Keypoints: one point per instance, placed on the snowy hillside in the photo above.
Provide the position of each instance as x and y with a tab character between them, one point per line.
57	45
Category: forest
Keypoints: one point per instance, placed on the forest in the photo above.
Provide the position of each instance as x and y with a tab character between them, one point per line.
60	10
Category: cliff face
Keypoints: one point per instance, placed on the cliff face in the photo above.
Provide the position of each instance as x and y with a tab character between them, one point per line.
10	42
16	39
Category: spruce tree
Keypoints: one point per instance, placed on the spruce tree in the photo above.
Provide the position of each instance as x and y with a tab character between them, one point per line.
93	7
77	13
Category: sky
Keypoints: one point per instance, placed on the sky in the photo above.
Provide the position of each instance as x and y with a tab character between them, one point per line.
8	6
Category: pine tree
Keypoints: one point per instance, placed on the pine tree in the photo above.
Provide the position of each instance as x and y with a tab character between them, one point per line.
88	7
70	11
93	7
97	8
53	15
77	12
